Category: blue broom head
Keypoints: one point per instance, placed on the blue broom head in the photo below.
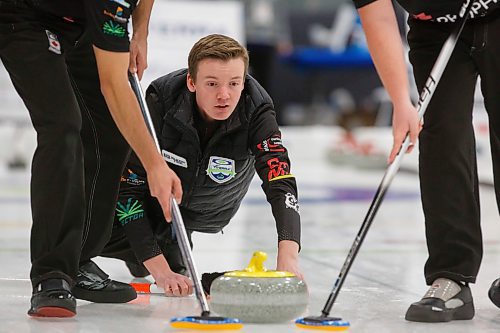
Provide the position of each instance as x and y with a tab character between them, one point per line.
323	322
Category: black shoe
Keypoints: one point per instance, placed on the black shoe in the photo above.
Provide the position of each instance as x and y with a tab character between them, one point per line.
93	285
207	279
52	298
445	300
137	270
494	292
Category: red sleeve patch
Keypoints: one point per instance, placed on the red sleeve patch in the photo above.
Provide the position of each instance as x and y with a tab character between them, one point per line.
272	144
277	168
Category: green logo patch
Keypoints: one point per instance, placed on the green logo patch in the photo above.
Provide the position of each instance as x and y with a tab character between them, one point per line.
113	29
130	212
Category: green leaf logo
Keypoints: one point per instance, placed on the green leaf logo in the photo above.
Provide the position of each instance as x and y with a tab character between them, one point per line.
113	29
129	212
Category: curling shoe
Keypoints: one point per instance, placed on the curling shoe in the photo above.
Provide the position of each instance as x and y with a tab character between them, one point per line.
494	292
52	298
93	285
445	300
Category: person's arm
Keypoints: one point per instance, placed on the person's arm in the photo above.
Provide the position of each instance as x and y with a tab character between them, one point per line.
124	108
273	167
288	258
132	215
139	40
172	283
111	47
384	41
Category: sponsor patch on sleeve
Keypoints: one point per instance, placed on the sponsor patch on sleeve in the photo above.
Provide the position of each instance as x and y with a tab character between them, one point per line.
117	16
122	2
113	29
130	211
54	44
291	202
272	144
278	169
132	179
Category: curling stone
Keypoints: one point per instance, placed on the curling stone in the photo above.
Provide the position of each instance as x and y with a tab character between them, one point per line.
258	295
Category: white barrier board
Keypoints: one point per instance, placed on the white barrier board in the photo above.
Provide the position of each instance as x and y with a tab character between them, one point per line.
176	25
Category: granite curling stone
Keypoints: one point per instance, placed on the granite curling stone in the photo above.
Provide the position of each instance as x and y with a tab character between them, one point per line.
258	295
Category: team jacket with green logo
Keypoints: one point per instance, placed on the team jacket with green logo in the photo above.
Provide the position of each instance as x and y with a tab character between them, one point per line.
214	179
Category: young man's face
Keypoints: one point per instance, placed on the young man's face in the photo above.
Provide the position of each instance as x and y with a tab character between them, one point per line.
218	87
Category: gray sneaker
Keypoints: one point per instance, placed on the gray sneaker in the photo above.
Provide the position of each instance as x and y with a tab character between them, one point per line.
445	300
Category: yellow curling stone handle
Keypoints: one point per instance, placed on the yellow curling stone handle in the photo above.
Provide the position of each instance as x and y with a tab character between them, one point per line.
256	269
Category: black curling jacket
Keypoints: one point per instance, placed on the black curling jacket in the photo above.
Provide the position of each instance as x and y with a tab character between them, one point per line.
216	177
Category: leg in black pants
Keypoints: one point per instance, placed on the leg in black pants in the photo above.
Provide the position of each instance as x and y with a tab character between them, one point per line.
57	186
56	85
105	154
105	150
489	68
448	170
448	174
487	59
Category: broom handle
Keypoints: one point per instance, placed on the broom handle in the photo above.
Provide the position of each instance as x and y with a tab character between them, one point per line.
424	99
177	221
186	252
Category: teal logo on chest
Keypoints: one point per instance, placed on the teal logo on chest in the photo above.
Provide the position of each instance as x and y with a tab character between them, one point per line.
221	169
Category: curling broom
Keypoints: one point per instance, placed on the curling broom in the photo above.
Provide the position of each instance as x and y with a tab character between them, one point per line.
324	321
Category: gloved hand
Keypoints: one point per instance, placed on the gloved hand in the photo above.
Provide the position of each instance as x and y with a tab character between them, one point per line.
207	279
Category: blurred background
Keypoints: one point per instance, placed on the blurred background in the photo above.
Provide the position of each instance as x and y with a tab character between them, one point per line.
310	55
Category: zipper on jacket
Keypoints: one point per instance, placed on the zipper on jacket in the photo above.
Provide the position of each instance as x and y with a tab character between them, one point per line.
203	157
193	182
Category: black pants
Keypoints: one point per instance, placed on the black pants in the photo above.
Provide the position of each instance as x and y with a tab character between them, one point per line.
448	171
80	152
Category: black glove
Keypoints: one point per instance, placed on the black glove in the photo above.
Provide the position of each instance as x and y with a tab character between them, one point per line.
207	279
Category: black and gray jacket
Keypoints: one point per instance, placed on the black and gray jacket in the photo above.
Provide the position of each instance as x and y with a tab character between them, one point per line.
214	179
